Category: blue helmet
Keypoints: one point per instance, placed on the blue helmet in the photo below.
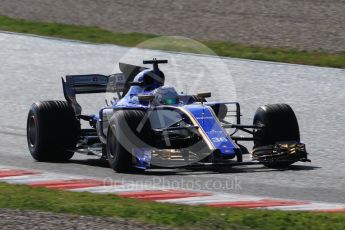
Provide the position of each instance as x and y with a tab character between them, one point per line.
150	79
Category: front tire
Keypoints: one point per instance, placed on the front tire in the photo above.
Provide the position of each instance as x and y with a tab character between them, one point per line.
279	125
119	158
123	136
52	131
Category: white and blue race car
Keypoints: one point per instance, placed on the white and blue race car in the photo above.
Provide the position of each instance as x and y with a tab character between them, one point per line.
150	125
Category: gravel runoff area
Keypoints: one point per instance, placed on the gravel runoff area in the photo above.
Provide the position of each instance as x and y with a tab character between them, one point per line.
303	25
34	220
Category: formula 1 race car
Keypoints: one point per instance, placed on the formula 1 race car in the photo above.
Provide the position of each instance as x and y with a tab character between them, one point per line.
150	125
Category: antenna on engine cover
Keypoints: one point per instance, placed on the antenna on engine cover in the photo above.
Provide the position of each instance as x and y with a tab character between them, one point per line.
155	63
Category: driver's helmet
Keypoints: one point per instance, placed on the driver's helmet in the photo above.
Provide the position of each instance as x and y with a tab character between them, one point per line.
150	79
165	95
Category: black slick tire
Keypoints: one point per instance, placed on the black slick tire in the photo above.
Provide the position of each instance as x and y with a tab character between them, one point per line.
52	131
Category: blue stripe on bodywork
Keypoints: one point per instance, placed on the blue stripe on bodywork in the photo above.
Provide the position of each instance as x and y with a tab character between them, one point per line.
210	125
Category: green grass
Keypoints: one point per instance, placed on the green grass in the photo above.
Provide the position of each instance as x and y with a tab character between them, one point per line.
221	48
198	217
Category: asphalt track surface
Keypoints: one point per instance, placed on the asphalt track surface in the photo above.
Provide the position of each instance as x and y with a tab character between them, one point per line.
31	67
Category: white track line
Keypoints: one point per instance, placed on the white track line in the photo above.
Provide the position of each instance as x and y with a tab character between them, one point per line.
27	179
115	189
212	199
313	206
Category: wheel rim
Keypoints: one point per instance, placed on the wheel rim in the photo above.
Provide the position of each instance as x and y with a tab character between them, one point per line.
32	131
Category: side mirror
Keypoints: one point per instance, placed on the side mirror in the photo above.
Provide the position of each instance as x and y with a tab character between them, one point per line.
201	97
146	98
204	95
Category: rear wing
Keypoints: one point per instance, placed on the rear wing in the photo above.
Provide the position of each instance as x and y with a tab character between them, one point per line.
98	83
91	83
94	83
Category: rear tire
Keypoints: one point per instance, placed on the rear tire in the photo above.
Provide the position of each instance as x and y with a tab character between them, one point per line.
52	131
280	125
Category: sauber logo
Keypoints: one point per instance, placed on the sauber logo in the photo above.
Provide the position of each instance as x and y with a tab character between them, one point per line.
215	132
204	118
218	139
